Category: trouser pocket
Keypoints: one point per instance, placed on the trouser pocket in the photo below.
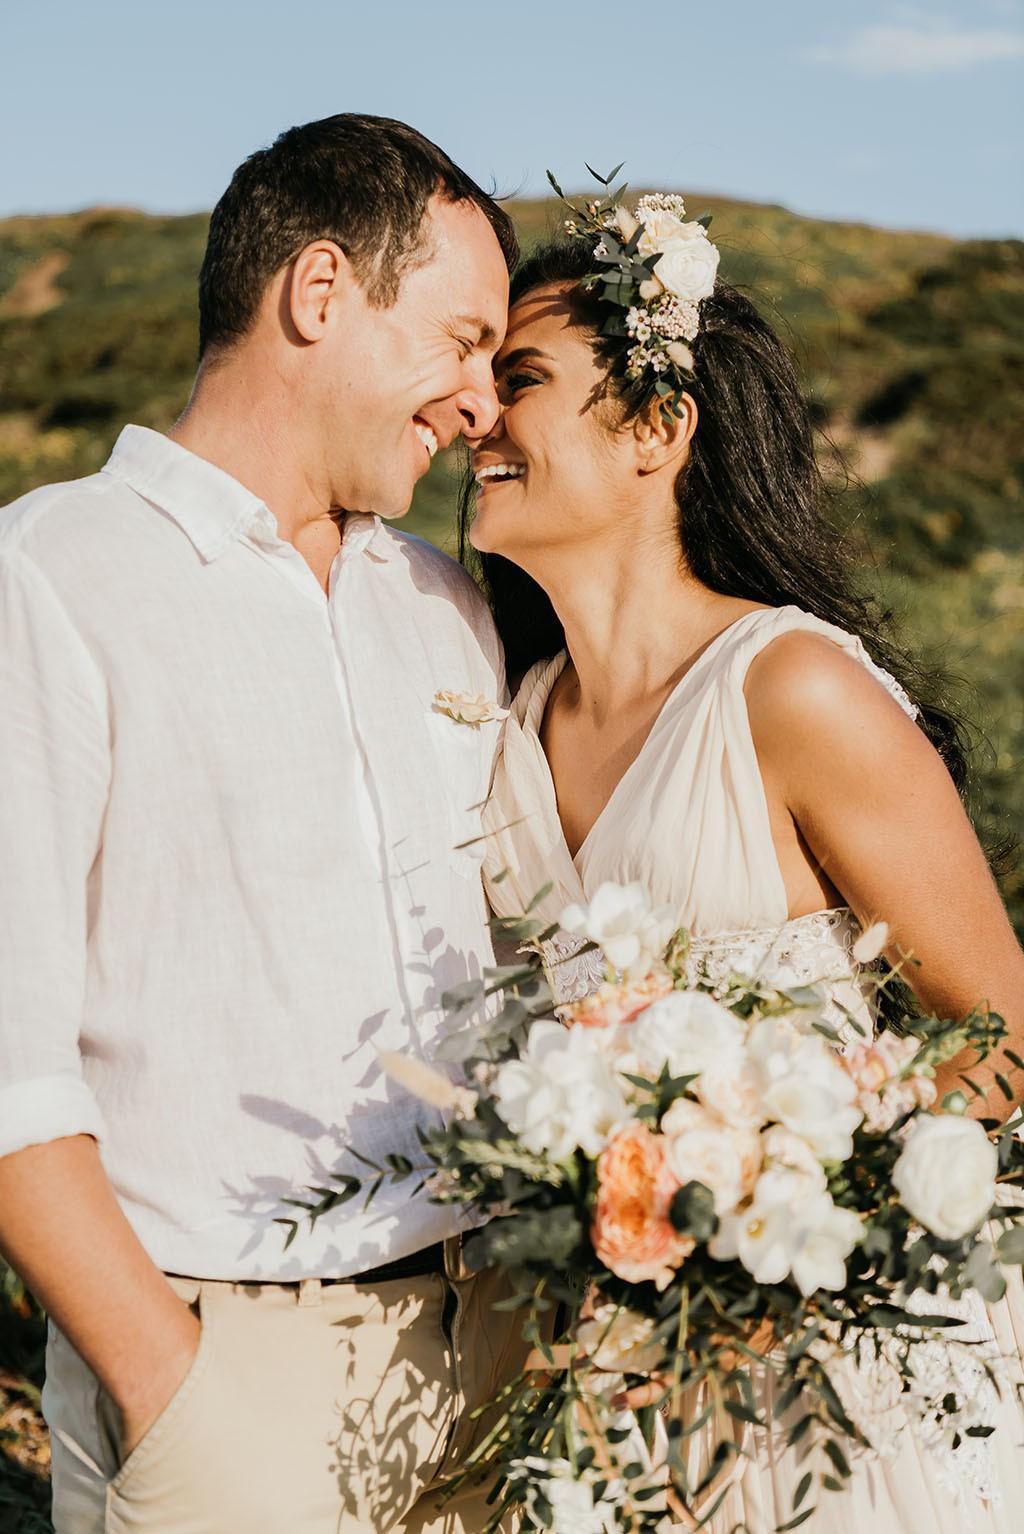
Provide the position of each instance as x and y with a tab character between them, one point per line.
108	1416
143	1491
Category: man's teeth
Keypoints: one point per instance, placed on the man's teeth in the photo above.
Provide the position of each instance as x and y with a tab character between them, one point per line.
426	436
500	471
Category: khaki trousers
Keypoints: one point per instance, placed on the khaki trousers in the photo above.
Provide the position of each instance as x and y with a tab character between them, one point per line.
309	1409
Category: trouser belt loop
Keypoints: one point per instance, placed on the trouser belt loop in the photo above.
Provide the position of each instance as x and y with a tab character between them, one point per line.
310	1292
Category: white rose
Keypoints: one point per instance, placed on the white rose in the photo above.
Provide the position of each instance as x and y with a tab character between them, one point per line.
732	1089
688	1031
618	1340
660	228
946	1174
688	260
712	1157
562	1093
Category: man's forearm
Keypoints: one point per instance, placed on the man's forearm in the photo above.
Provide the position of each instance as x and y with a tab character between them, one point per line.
63	1231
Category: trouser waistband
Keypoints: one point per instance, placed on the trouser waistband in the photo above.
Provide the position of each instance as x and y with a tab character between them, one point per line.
442	1257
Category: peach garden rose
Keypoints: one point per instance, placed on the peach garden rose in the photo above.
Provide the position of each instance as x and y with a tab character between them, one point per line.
632	1233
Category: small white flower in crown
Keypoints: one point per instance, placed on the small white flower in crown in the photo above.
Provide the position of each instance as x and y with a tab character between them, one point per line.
469	708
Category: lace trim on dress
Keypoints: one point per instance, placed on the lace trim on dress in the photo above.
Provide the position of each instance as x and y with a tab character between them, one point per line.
802	951
892	687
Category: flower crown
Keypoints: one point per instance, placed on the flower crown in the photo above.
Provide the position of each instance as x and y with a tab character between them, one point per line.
653	268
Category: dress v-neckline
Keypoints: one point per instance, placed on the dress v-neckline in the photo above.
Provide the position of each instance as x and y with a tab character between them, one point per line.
534	718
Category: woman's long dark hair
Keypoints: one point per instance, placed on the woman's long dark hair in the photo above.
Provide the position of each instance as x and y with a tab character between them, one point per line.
753	505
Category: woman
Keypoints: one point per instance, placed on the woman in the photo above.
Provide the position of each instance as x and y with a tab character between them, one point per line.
709	708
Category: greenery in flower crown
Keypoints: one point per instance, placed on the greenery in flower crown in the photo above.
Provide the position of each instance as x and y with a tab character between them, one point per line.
653	268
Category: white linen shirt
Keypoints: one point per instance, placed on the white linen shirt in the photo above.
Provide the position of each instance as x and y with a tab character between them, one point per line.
232	836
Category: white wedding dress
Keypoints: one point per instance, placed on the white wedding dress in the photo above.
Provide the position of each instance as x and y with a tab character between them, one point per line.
689	821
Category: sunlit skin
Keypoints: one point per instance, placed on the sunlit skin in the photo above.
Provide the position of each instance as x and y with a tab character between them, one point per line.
315	411
316	408
863	811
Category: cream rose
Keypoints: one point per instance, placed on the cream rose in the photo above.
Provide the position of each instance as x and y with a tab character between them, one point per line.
732	1089
946	1175
712	1157
688	261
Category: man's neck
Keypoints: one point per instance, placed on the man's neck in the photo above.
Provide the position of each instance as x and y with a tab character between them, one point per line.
247	436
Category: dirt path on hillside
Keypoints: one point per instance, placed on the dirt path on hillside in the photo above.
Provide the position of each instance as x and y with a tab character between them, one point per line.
36	289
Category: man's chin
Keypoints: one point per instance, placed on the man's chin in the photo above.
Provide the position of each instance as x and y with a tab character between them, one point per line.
390	505
394	514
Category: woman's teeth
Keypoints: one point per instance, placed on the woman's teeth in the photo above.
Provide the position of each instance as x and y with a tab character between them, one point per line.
500	471
426	436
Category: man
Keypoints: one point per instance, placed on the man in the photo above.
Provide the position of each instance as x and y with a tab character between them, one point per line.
229	832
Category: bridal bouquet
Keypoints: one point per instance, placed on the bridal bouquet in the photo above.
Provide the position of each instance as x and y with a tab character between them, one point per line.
723	1198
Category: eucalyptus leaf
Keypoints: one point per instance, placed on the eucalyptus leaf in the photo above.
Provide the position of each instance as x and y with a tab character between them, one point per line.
1010	1246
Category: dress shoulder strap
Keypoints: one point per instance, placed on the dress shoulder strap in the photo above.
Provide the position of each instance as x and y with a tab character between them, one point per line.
750	635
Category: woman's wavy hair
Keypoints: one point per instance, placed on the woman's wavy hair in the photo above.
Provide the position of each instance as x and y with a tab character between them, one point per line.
753	505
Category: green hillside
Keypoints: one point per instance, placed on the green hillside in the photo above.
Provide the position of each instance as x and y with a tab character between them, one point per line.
912	348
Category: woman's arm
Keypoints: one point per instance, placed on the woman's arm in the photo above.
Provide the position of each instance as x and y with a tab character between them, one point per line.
880	813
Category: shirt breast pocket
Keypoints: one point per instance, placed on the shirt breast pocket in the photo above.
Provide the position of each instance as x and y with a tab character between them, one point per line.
468	754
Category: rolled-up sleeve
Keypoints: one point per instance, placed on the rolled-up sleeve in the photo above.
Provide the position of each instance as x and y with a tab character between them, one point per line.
54	782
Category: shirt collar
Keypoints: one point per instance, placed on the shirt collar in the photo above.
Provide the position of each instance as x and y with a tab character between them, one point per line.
210	506
366	533
213	508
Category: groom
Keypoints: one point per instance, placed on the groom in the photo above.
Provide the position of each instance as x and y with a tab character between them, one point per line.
229	831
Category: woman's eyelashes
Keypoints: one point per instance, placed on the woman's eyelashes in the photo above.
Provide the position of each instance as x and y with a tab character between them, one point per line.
515	382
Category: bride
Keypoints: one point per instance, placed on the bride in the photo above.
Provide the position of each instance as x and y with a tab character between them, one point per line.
709	707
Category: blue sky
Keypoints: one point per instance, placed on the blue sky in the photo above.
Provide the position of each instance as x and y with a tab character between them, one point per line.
905	115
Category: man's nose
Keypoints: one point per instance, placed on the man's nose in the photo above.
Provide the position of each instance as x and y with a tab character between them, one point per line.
479	408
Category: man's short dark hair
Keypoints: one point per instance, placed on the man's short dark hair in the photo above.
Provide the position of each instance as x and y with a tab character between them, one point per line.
363	182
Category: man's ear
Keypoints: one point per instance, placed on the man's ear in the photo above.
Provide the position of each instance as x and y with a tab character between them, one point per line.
662	438
320	280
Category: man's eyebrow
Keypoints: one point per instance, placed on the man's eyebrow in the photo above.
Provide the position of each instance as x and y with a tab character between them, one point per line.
519	355
486	333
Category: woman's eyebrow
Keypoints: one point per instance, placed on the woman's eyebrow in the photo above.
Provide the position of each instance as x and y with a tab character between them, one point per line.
519	355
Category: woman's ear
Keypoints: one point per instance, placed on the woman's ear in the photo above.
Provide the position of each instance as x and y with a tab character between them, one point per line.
663	435
320	280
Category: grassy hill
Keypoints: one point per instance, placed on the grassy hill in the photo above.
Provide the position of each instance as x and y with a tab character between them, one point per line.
912	351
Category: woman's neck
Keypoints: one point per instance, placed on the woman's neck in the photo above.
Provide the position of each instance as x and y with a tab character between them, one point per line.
635	619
